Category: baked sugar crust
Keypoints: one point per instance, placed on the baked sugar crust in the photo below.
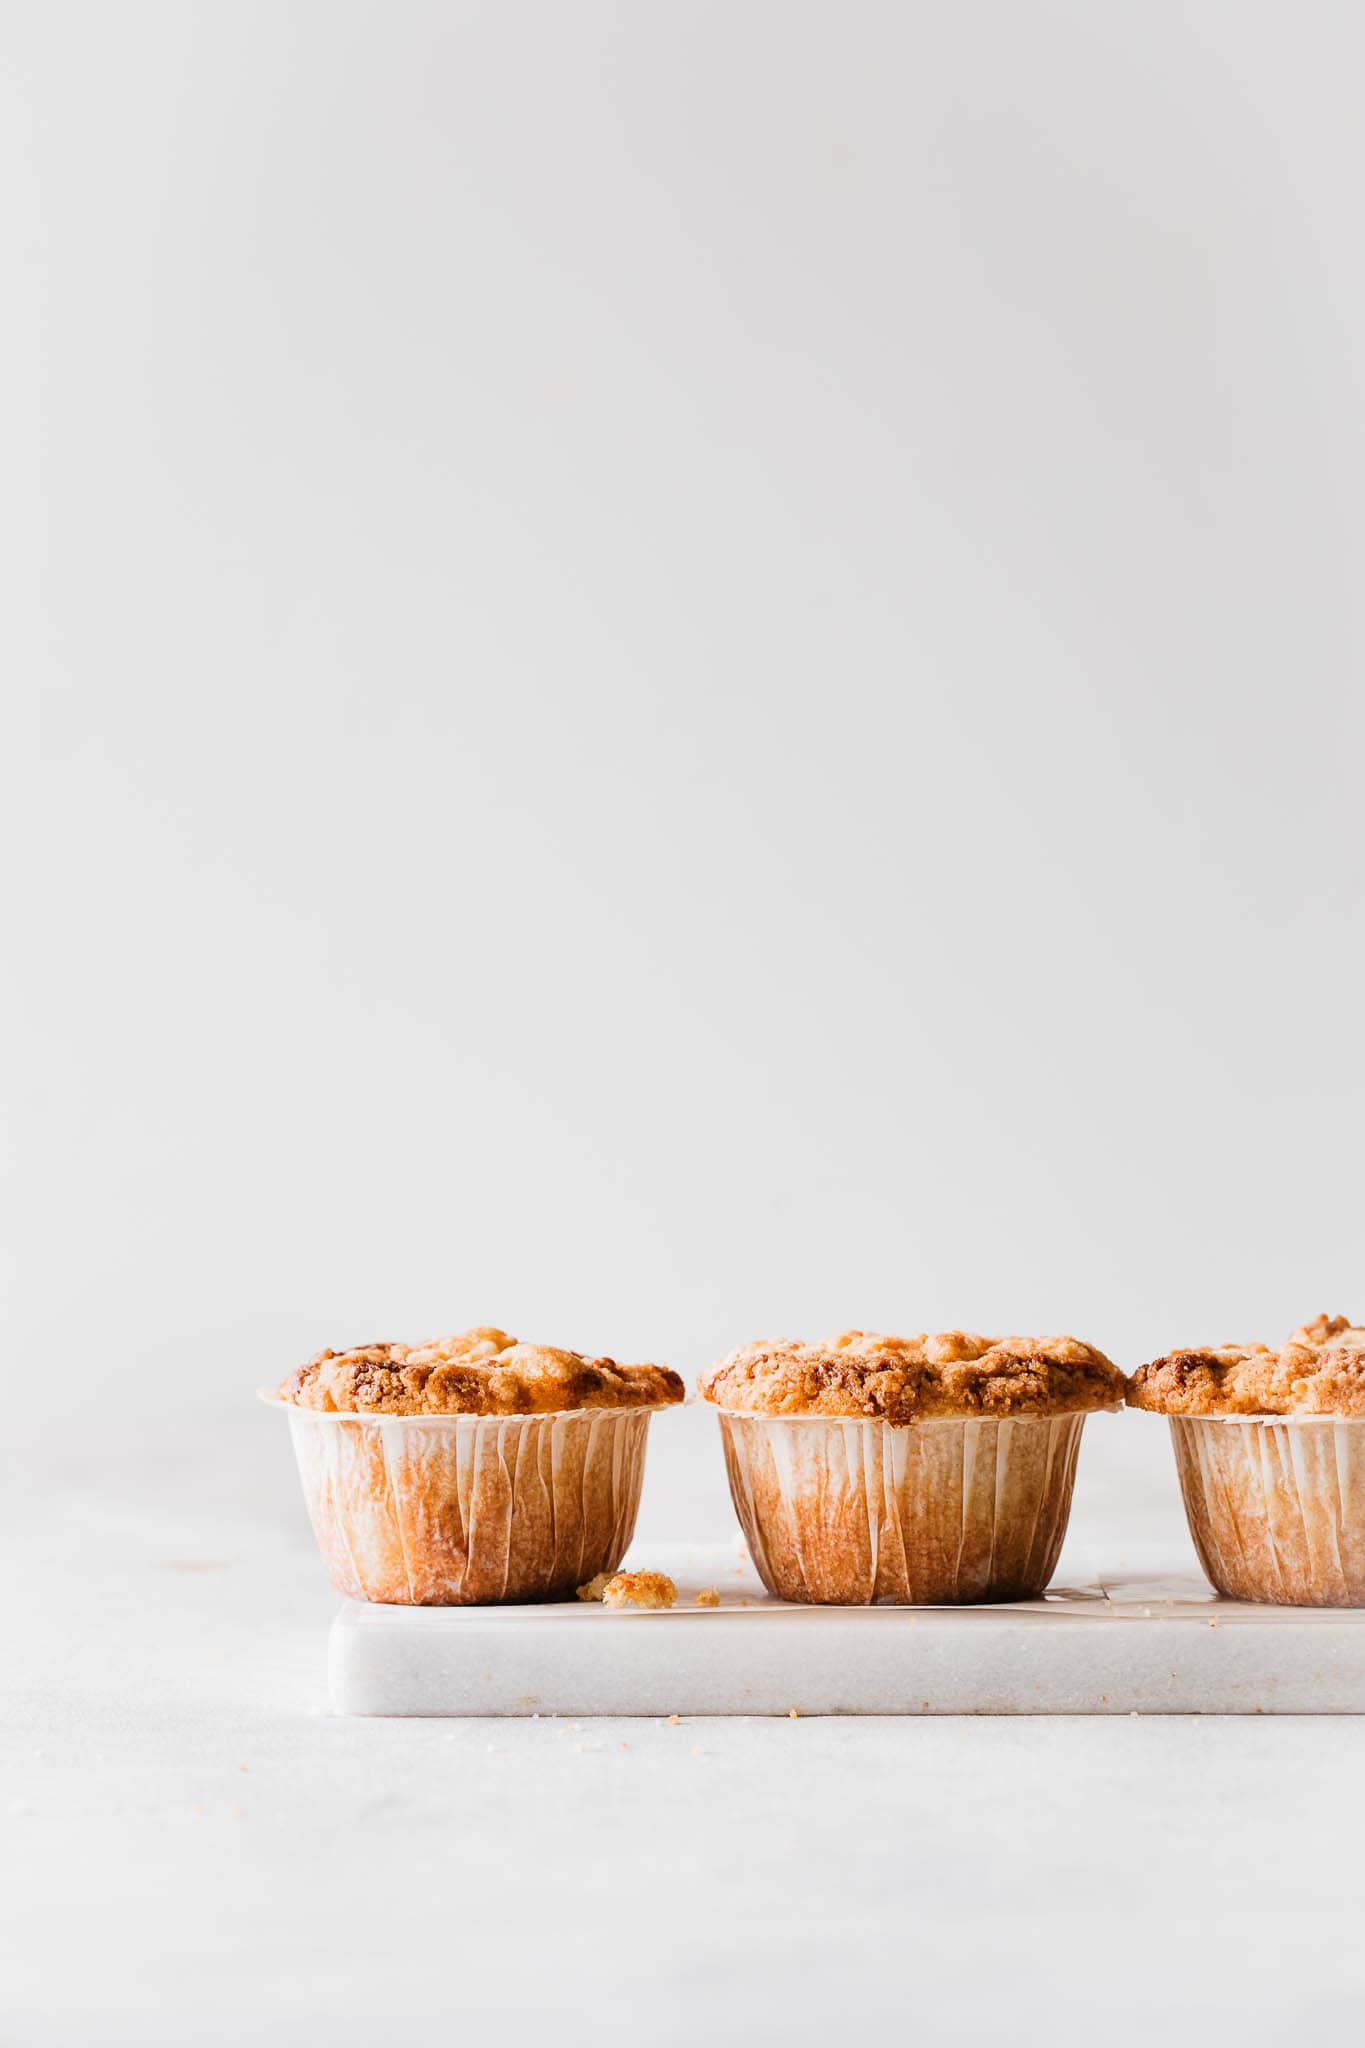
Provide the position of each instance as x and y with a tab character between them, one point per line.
915	1379
1319	1370
479	1372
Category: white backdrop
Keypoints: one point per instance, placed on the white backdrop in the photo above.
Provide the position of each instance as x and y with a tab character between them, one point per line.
674	672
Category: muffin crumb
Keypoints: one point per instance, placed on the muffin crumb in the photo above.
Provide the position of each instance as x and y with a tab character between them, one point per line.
640	1589
708	1597
595	1588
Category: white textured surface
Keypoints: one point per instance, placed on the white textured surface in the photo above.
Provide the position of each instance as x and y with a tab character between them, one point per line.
1098	1643
196	1849
671	672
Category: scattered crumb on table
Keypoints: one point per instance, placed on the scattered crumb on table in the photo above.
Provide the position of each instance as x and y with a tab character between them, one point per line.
640	1589
595	1588
708	1597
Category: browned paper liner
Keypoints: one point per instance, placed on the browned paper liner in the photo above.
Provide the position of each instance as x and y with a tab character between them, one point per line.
858	1513
1276	1505
456	1510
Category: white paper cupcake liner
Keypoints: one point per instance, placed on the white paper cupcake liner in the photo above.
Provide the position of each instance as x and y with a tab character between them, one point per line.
1276	1505
858	1513
457	1510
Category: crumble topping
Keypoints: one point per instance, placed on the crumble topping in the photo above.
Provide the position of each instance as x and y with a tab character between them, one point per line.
479	1372
910	1379
1319	1370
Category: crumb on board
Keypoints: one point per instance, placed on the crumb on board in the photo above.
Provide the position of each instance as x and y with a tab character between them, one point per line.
792	1714
640	1589
595	1588
708	1597
673	1720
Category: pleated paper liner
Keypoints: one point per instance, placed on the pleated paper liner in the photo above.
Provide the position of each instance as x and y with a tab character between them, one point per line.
859	1513
1276	1505
458	1510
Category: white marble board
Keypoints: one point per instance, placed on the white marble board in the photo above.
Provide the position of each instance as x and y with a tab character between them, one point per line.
1096	1643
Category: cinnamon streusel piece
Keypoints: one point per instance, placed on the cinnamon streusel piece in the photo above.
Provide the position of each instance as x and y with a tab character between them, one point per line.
640	1589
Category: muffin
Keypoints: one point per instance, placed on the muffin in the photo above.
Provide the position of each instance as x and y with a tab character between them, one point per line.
907	1470
1270	1448
472	1469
